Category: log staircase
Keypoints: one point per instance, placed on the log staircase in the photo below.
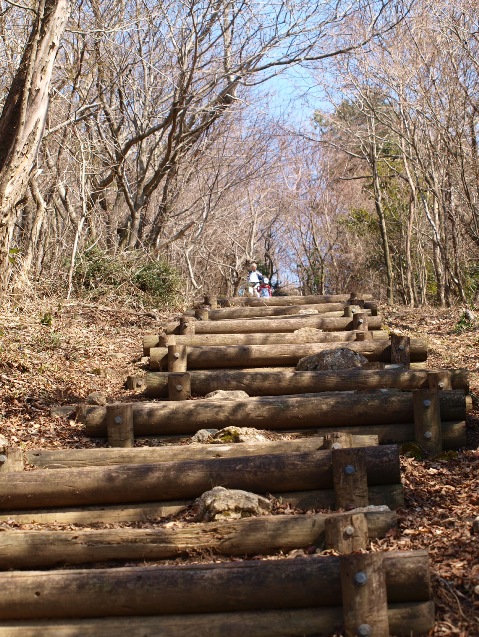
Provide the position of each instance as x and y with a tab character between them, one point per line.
96	565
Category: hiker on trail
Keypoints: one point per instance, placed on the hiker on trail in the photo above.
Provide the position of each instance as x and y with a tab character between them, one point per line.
254	279
265	288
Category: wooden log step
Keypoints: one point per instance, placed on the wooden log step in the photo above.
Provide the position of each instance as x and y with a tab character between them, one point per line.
276	383
271	325
415	618
328	409
391	495
63	458
194	340
222	356
259	535
122	484
206	588
263	311
245	301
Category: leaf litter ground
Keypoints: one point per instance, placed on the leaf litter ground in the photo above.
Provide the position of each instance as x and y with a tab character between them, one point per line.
57	353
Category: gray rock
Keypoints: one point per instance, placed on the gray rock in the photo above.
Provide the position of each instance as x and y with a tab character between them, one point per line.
220	503
342	358
239	434
96	398
308	330
204	435
227	394
469	316
308	311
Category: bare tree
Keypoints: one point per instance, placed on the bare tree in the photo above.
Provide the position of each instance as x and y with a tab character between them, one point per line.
23	116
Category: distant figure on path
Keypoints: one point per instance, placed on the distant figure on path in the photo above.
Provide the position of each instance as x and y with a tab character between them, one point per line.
254	279
265	288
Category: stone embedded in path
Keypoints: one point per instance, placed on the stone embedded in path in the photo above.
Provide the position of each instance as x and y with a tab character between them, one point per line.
239	434
204	435
230	435
307	330
341	358
220	504
96	398
227	394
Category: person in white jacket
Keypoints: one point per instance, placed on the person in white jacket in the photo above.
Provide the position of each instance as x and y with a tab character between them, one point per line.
254	279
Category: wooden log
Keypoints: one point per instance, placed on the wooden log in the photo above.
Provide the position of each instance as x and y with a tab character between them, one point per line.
119	424
187	479
276	383
329	409
202	314
11	459
454	434
372	306
401	353
363	585
360	322
309	299
271	325
63	458
404	619
250	536
212	301
152	340
187	325
179	386
390	495
364	336
177	358
137	383
159	358
112	514
289	354
346	532
427	420
350	478
440	380
206	588
338	440
263	311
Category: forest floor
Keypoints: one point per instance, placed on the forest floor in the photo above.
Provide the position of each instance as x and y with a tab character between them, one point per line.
57	353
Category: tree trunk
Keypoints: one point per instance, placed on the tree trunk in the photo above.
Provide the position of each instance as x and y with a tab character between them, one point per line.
23	117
